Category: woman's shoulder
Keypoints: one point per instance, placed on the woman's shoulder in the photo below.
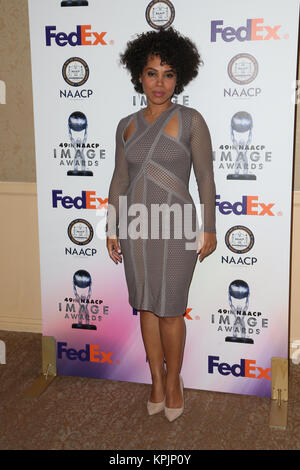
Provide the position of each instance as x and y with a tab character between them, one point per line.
124	121
192	115
189	111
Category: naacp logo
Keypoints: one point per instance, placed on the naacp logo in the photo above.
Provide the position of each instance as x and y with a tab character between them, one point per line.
80	232
75	71
239	239
243	69
160	14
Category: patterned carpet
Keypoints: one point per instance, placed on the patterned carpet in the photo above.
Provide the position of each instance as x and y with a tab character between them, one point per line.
79	413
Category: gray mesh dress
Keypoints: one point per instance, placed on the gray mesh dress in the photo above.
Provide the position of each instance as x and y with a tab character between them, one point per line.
152	167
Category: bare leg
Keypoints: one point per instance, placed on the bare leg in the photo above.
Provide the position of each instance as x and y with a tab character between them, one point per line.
151	337
173	331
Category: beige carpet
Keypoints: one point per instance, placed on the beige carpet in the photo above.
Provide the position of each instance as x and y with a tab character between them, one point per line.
79	413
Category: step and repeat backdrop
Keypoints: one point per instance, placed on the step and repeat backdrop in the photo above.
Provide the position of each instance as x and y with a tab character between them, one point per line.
238	307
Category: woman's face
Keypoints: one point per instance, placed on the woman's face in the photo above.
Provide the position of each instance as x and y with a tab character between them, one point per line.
158	80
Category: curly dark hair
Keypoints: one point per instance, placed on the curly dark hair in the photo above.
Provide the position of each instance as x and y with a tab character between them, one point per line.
174	49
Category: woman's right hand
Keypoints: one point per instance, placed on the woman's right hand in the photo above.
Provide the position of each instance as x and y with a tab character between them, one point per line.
114	249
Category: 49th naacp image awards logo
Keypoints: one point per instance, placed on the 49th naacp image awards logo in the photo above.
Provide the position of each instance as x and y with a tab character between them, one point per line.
236	320
242	156
81	308
239	239
75	71
74	3
78	155
160	14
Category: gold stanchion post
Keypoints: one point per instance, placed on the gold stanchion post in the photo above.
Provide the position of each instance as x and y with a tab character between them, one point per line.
279	397
49	368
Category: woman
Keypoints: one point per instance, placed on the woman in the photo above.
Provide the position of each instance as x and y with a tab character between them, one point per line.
155	148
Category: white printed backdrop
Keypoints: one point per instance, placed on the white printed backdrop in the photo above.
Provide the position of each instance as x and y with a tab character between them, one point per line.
237	315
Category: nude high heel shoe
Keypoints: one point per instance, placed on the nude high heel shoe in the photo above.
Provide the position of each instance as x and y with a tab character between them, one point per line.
173	413
154	408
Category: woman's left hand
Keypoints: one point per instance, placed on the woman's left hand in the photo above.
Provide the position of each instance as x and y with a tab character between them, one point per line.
207	243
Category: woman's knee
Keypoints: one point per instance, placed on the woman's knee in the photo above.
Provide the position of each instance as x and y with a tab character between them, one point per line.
171	320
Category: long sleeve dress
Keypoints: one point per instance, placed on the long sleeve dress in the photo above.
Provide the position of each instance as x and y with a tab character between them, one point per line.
152	171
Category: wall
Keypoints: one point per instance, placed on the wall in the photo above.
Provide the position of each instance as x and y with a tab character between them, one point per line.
17	152
20	307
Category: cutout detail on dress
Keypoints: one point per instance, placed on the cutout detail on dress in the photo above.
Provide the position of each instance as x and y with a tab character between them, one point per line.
128	131
172	127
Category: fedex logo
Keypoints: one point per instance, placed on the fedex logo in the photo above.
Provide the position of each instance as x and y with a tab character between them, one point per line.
87	200
248	206
253	31
81	37
91	353
246	368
